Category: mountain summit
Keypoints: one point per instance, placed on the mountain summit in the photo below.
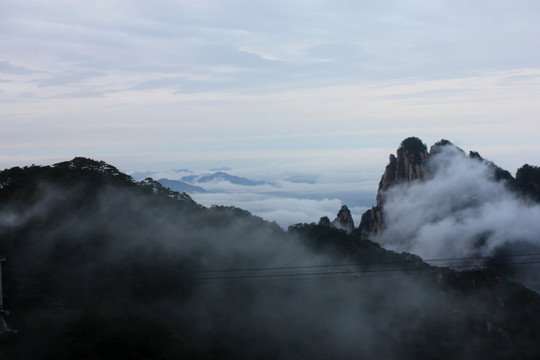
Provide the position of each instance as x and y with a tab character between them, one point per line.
445	203
409	164
344	220
413	162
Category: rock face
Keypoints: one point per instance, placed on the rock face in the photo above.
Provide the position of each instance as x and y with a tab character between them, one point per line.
409	164
324	221
528	181
344	220
371	221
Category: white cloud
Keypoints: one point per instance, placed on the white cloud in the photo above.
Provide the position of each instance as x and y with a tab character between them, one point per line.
283	210
460	211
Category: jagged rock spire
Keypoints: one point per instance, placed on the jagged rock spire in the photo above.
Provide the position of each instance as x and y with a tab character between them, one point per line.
409	165
344	220
528	181
324	221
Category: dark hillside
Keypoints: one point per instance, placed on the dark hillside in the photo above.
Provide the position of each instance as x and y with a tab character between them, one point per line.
102	267
528	181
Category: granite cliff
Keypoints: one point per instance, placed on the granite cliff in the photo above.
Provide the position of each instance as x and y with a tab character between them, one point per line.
412	163
409	164
344	220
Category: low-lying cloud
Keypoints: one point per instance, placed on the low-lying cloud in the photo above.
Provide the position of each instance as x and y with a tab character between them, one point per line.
460	211
118	253
286	198
284	210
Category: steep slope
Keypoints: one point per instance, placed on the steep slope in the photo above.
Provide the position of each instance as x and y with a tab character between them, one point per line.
528	181
408	165
344	220
412	163
181	186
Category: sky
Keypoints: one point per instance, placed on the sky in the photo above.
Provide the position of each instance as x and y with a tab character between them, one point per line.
266	86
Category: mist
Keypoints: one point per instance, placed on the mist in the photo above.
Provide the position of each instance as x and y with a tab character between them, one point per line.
280	208
102	267
119	257
120	262
460	211
286	198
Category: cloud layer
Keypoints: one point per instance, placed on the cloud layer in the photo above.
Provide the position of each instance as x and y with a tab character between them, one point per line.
284	210
159	265
460	211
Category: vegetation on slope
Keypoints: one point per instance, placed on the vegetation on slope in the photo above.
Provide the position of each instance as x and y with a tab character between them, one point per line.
100	266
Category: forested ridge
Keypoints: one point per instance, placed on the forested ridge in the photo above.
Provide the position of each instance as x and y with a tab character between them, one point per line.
102	267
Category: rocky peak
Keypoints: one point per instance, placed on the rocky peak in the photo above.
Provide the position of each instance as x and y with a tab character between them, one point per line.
344	220
528	181
439	145
475	155
408	165
411	158
411	163
324	221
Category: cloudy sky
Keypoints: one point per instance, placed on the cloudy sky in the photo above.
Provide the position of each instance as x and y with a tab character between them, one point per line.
295	85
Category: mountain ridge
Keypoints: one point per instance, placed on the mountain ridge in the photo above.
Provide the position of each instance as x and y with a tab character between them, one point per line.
102	265
221	176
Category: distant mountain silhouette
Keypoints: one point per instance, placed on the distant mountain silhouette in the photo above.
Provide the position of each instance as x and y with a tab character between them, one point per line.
181	186
221	176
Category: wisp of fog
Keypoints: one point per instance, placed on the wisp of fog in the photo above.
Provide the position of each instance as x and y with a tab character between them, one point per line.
460	211
121	257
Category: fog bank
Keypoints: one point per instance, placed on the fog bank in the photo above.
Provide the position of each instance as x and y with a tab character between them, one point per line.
461	210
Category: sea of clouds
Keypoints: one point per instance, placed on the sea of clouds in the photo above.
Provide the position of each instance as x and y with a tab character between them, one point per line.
284	198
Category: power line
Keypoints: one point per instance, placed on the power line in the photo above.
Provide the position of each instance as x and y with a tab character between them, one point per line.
363	264
352	269
349	272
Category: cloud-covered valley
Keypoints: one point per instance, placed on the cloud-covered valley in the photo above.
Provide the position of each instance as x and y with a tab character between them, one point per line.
284	198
